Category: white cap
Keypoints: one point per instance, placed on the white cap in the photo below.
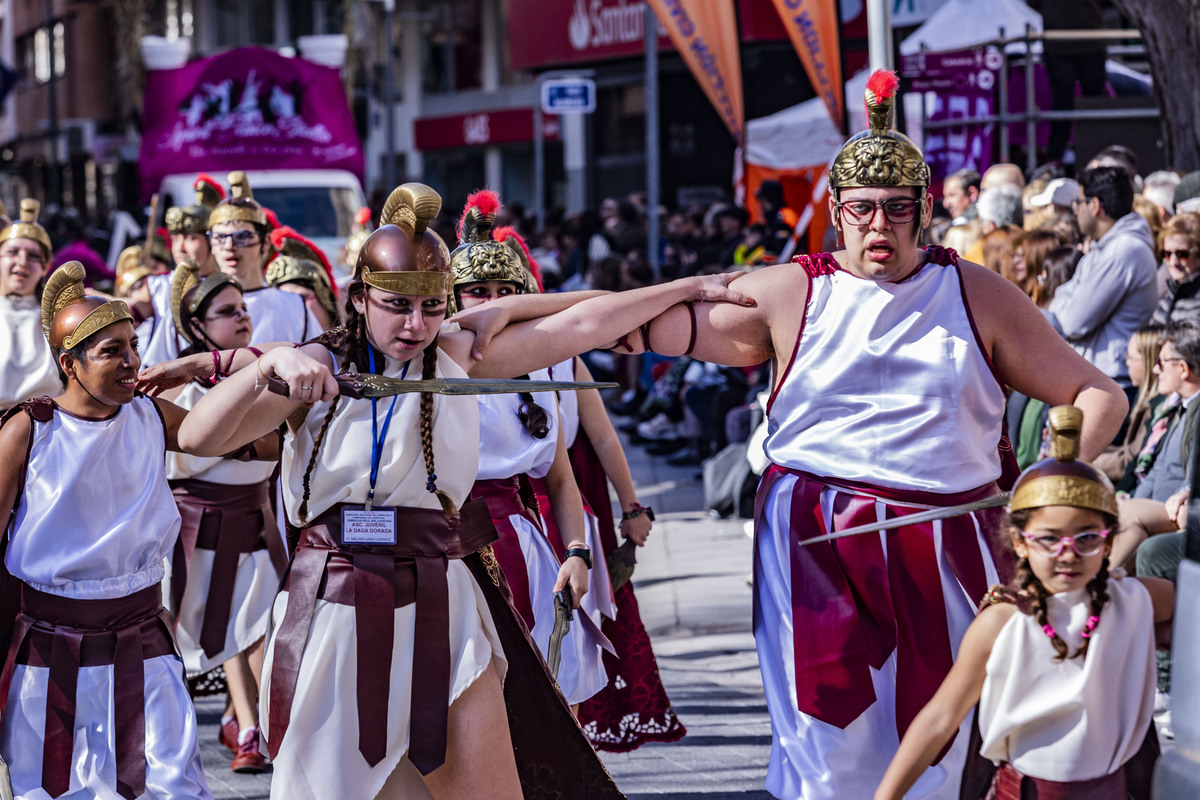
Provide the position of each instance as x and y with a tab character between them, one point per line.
1059	192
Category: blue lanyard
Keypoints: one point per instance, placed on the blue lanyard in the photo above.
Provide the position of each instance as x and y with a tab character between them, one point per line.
378	437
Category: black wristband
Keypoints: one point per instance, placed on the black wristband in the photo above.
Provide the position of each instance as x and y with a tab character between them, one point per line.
637	511
580	552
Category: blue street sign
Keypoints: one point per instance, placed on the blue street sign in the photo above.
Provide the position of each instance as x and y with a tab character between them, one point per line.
568	95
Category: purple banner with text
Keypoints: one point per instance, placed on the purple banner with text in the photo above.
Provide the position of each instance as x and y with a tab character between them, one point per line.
249	108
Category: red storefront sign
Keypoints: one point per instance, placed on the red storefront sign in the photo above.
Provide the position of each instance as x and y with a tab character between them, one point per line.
481	128
543	34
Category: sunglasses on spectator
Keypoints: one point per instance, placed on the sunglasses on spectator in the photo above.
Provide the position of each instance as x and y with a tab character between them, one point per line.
238	239
1181	255
897	210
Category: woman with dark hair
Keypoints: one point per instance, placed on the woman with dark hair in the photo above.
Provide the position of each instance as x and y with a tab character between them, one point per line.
520	440
1058	267
1034	249
394	648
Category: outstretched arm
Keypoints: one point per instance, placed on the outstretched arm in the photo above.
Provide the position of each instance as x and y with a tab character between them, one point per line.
597	322
238	410
944	713
1035	360
594	420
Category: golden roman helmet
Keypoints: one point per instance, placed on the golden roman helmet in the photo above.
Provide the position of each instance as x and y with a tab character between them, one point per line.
879	156
194	218
403	256
188	293
70	316
1061	480
26	227
478	256
239	206
301	261
131	268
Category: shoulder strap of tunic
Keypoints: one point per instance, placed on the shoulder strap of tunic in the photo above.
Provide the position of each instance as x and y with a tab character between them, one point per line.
817	264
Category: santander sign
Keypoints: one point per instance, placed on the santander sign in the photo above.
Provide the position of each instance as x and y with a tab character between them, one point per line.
543	34
595	24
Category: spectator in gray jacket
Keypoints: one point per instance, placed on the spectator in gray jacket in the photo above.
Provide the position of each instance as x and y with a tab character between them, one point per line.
1113	291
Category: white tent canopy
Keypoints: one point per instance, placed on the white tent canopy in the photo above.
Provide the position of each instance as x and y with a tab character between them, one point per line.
960	24
804	135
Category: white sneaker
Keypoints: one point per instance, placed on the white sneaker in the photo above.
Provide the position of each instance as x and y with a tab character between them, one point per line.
659	428
1163	723
1162	702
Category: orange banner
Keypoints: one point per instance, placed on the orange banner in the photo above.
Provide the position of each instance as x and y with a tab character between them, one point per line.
813	28
705	32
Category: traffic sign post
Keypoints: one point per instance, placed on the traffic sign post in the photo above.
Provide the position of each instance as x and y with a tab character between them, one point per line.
568	96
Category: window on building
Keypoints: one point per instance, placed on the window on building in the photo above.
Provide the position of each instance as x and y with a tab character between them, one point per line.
41	49
451	46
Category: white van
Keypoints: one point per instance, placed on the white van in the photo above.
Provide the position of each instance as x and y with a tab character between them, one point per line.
319	203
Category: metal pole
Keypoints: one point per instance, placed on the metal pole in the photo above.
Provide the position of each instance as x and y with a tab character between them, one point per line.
879	33
652	165
1002	91
389	164
1030	105
54	184
539	159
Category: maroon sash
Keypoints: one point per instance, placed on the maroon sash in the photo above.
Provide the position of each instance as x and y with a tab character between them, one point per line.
376	580
64	634
1009	784
852	607
506	497
228	520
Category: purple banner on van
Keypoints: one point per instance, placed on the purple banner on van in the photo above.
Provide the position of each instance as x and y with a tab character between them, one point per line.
250	108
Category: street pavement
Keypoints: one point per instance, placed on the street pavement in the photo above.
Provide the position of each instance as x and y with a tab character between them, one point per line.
693	591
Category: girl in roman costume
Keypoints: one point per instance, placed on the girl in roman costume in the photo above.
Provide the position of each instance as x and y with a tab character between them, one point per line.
229	556
388	559
521	441
93	692
27	368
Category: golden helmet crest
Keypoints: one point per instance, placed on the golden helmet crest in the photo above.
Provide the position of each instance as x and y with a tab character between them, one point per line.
879	156
1062	480
479	257
26	227
69	316
300	260
194	218
403	255
240	205
188	293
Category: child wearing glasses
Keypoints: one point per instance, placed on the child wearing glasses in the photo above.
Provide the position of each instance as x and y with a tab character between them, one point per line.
1045	654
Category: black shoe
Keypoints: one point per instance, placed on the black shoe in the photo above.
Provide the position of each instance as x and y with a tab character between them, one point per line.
666	447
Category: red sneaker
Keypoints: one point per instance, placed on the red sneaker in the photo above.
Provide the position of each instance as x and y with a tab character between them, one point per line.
248	759
227	734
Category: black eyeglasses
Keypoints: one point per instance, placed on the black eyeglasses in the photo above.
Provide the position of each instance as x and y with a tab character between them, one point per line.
1180	255
1078	201
238	239
897	210
1160	360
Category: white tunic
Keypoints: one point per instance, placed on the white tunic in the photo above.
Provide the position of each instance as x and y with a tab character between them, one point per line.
27	367
1080	718
279	316
886	372
568	402
319	757
255	582
507	449
96	521
157	339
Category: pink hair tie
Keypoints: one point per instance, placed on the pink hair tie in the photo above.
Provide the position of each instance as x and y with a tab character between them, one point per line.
1049	631
1090	627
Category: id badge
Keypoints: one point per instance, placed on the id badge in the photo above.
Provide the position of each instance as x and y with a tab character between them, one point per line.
377	526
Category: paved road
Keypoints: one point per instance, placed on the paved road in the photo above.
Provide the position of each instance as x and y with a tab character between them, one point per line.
691	584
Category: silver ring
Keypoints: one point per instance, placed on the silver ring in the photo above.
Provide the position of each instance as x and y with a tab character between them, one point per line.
306	388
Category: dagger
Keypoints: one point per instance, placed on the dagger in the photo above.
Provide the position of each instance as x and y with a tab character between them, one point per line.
360	385
943	512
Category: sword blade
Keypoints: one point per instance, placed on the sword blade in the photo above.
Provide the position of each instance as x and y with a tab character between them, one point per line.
363	385
930	515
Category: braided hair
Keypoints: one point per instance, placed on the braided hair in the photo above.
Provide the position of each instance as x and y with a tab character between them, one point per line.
350	344
1034	593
